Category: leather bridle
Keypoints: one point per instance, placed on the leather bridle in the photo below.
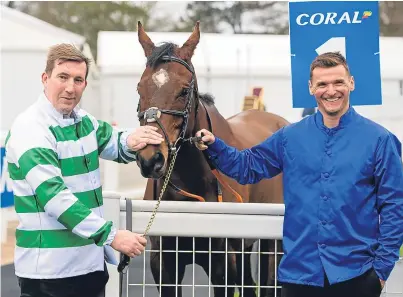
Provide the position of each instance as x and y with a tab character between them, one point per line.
153	114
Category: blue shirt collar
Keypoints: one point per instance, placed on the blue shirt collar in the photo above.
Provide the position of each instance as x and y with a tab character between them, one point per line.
344	120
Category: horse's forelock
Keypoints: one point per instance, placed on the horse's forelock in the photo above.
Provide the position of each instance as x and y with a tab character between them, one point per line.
166	48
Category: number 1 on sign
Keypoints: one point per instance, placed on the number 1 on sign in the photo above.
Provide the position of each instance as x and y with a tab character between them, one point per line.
334	44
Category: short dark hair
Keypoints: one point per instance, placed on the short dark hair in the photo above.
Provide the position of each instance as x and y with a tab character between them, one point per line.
327	60
65	52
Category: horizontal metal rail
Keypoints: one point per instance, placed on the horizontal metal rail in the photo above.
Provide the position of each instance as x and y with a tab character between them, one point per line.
195	219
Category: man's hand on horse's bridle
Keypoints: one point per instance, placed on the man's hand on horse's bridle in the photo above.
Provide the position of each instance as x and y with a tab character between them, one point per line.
206	138
142	136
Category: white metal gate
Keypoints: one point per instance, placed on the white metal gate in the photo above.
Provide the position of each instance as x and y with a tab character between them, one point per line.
193	221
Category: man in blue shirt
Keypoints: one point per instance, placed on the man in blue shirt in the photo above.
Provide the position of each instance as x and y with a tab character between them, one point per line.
343	190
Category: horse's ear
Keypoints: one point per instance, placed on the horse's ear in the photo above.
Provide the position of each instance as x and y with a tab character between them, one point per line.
145	41
187	49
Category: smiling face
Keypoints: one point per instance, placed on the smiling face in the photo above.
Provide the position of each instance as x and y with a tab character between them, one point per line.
331	84
331	88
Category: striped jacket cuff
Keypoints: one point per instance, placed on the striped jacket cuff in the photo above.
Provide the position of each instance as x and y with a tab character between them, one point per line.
127	154
111	236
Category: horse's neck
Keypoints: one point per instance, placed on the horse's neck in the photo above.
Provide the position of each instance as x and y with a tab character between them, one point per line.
191	171
219	125
192	174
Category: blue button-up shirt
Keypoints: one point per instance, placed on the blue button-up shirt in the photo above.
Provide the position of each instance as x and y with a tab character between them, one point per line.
343	195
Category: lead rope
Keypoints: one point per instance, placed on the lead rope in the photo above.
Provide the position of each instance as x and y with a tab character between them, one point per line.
125	260
164	186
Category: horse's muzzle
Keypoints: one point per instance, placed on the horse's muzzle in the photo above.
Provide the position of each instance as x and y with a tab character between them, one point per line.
153	167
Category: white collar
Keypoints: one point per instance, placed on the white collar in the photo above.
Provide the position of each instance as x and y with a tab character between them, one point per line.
49	109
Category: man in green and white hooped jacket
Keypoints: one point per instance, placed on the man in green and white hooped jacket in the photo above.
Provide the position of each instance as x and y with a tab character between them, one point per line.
53	151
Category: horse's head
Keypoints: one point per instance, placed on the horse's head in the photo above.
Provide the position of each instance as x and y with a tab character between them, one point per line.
168	99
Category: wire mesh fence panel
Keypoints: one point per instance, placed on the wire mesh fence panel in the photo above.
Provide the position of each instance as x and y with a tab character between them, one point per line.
201	267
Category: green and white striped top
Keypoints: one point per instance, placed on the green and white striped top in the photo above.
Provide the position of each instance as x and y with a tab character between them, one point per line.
54	167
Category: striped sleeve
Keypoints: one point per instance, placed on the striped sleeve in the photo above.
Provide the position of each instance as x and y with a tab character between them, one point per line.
34	168
112	143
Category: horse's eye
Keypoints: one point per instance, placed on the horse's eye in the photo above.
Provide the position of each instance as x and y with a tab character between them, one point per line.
184	92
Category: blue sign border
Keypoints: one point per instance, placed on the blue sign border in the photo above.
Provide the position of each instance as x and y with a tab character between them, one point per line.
362	47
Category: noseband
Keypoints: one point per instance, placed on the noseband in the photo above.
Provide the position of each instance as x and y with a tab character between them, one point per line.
153	114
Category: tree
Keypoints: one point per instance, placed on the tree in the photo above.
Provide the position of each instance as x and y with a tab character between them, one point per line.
391	20
10	4
237	17
206	12
88	18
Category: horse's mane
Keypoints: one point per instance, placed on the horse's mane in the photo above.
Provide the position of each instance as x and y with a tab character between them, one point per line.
206	98
168	48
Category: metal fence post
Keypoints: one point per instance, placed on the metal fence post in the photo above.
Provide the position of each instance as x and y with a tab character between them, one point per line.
112	213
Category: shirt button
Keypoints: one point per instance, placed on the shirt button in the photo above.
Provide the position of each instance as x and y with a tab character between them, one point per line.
324	222
325	175
323	245
325	198
329	152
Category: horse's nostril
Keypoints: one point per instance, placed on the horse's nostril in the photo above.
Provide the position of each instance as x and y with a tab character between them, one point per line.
159	157
158	161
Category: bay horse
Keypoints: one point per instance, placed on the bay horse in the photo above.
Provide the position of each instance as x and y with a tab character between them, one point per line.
169	100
